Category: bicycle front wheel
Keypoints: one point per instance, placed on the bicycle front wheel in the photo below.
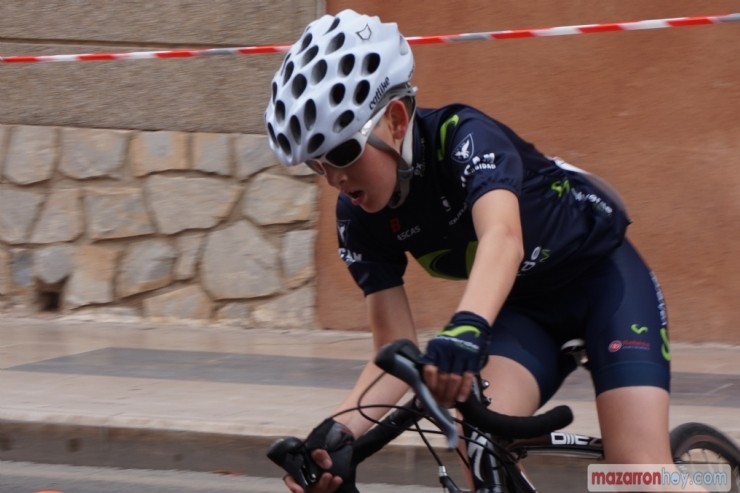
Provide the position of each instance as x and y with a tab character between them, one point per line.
701	444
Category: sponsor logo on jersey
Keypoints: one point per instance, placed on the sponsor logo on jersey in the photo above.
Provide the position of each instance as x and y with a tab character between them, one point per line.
478	163
464	150
348	257
405	235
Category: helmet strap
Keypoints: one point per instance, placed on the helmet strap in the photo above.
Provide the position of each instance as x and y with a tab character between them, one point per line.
404	171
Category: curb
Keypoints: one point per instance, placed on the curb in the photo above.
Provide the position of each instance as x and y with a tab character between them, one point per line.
220	453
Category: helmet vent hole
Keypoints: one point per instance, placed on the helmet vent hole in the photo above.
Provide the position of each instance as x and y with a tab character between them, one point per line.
309	114
337	94
288	72
274	91
299	85
306	41
318	72
344	119
371	63
346	64
314	143
271	131
336	43
333	26
295	128
284	143
280	111
362	91
310	55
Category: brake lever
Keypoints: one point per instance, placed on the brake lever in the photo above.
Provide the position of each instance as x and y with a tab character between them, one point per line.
402	359
290	454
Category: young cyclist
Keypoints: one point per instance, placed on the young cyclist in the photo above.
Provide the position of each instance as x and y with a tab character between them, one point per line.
541	243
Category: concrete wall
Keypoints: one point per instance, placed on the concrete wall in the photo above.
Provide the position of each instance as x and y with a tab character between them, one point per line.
218	94
654	112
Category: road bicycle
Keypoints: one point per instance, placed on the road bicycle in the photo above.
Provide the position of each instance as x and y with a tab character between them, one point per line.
495	444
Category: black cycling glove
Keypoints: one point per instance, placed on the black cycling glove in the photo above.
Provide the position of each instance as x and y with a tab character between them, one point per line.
337	439
461	346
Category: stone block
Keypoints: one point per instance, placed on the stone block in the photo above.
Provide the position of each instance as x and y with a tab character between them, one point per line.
145	266
190	248
116	213
21	267
18	209
180	203
277	199
253	154
93	152
295	309
238	262
152	152
5	277
190	302
31	154
53	264
61	219
92	279
234	312
297	256
212	153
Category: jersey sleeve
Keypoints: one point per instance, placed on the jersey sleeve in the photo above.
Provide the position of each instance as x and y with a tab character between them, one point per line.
479	153
373	261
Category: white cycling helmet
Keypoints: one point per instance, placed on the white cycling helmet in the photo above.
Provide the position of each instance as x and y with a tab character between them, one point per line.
341	71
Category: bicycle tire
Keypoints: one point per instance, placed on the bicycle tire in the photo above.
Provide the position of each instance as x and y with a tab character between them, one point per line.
699	443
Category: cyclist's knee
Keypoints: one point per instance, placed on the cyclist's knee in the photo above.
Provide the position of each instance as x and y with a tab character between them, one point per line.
513	389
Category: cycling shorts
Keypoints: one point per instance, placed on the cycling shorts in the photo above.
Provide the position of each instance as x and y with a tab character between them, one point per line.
616	307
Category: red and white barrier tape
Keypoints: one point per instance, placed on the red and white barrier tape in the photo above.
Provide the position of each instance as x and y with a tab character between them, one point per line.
446	38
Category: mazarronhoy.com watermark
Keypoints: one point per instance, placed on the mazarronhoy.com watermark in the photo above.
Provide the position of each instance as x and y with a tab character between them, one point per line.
659	477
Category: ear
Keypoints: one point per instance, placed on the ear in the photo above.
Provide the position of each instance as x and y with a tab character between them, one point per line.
399	119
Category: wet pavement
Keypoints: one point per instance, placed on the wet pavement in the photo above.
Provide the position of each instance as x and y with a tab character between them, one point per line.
210	398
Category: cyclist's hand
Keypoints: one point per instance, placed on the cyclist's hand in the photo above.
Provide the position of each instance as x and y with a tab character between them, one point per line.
330	446
454	356
327	483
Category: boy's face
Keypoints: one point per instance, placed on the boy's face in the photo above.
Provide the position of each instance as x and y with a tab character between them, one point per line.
371	180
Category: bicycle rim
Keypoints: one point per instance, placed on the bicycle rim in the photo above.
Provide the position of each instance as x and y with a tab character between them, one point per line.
700	444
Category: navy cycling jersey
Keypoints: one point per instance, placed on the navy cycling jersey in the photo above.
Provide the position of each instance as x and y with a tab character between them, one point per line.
568	223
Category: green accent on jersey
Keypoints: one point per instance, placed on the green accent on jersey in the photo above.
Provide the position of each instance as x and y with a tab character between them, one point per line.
429	263
665	348
459	330
638	330
561	187
453	120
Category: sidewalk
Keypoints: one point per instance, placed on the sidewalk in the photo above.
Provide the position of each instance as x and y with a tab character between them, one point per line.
213	398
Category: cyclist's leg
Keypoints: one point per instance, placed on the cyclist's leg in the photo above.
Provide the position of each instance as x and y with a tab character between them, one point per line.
627	344
525	366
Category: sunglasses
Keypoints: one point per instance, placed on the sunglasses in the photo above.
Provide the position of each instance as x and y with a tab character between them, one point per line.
348	152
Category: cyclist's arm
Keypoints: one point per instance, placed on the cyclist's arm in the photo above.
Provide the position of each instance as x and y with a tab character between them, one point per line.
498	256
390	318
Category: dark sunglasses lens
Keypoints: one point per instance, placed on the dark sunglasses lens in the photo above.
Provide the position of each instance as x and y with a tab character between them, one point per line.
344	154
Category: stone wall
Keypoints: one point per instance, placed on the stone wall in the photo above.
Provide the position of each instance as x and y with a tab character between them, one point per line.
154	224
